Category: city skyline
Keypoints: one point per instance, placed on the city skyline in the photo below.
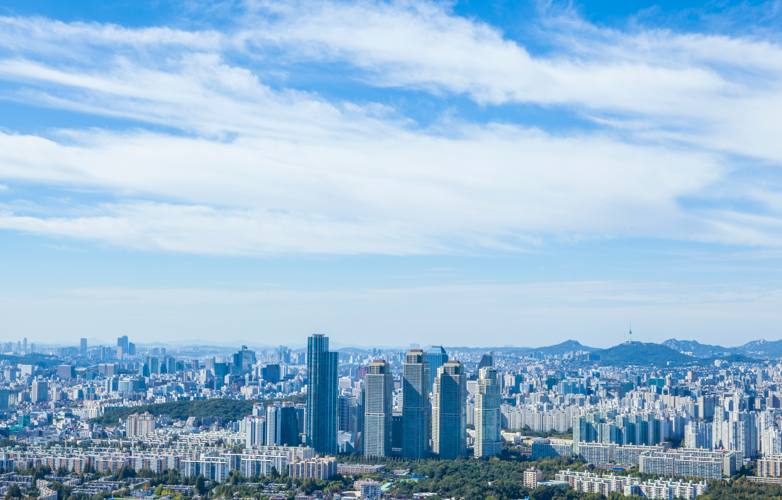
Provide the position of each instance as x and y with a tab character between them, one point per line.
294	415
518	169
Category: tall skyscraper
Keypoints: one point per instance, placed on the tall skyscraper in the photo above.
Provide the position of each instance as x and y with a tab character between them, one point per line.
488	419
83	347
416	411
321	395
449	411
289	418
436	357
273	425
378	407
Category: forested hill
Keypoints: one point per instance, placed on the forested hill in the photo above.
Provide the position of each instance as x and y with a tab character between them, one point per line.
226	409
639	353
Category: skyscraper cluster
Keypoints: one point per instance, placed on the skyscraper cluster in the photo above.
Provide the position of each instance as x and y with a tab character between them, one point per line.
431	416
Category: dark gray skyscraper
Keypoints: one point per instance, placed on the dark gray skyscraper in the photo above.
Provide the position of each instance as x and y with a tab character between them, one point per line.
378	407
449	411
436	357
321	395
416	412
486	361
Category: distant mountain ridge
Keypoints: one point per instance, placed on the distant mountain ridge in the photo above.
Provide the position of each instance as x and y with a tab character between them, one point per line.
759	347
696	348
762	347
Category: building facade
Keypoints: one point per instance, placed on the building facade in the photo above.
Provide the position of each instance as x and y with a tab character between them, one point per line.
449	411
416	417
488	419
322	395
378	408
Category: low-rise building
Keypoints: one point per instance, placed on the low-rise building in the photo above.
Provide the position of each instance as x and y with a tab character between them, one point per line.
351	469
667	489
532	477
369	489
589	482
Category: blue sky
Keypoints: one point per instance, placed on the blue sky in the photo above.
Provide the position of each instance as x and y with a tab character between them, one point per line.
458	173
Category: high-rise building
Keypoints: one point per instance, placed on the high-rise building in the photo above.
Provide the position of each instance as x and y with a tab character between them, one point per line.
706	407
698	435
40	391
416	411
273	426
378	407
139	425
83	347
270	373
283	355
436	357
244	360
289	425
449	411
487	360
488	418
123	343
255	431
24	345
321	395
343	413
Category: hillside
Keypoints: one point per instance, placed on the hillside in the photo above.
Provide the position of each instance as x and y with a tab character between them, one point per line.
761	347
565	347
696	348
226	409
639	353
42	360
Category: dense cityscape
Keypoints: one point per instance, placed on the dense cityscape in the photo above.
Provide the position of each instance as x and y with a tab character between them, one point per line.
149	422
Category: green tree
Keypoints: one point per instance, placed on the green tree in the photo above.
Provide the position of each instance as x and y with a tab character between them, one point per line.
200	487
13	492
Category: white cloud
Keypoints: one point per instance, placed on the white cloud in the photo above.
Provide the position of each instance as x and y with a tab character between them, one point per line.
264	171
397	192
713	91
